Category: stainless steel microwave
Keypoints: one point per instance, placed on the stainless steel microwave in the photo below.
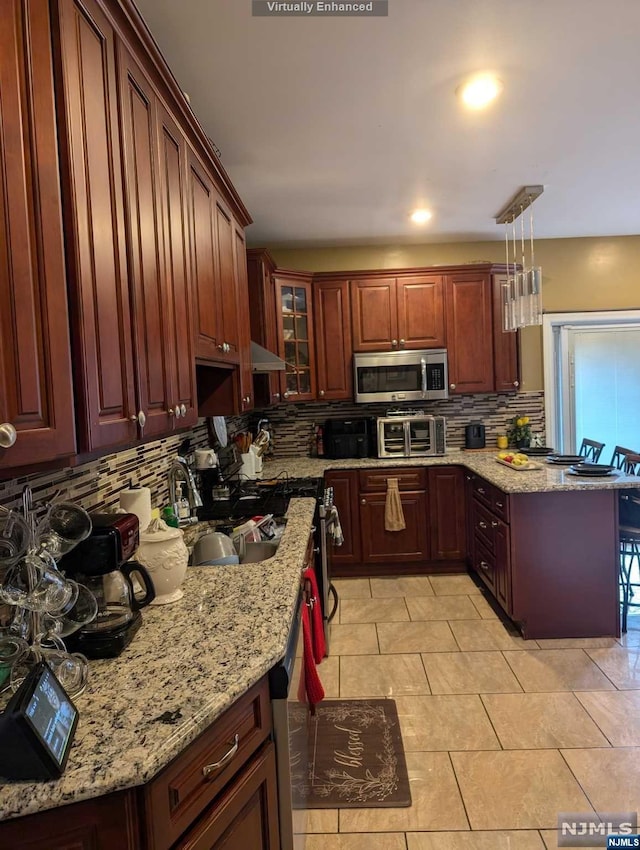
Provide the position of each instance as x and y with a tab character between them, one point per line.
401	376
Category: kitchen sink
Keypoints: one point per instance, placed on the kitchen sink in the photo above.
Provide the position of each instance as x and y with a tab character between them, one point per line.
256	552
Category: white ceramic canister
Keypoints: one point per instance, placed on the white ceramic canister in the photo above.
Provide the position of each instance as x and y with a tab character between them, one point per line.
164	553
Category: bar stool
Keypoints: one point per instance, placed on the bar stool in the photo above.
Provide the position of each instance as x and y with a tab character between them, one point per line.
629	536
591	450
619	456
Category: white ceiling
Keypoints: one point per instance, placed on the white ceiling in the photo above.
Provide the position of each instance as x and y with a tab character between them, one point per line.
333	129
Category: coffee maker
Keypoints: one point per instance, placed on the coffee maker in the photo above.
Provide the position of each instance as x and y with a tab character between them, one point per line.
101	563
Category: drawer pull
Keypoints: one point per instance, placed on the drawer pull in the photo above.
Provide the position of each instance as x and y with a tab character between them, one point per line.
499	505
482	524
484	565
208	769
482	491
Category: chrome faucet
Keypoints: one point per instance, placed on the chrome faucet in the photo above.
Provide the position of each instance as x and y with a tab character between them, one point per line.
179	471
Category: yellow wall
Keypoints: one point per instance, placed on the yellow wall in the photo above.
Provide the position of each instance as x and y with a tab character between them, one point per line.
600	273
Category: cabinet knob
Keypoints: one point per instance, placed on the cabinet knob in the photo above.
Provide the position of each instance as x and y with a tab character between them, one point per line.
481	490
321	392
494	524
482	524
227	347
452	386
363	501
285	395
183	410
484	565
499	505
8	435
516	384
401	342
394	343
221	347
276	395
171	412
141	419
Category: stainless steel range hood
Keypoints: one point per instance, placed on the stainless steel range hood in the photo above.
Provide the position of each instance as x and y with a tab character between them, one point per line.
264	361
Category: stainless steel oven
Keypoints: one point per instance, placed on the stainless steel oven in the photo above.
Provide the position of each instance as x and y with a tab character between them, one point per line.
401	376
412	435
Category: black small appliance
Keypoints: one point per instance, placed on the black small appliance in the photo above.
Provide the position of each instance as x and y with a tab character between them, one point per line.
474	436
350	437
101	562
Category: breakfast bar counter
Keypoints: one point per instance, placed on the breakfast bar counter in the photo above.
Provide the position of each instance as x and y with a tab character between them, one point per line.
547	479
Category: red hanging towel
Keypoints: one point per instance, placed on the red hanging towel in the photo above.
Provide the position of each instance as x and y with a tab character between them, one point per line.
313	685
319	646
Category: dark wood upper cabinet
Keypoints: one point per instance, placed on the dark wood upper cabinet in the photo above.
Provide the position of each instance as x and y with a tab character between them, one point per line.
334	346
421	312
295	327
260	268
98	283
226	280
212	250
35	363
505	345
245	376
180	341
374	314
447	513
391	314
203	250
149	296
469	323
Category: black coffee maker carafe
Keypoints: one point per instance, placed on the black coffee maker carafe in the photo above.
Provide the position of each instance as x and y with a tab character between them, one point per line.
474	436
101	563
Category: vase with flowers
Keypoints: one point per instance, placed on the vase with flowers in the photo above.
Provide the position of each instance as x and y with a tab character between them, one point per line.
519	432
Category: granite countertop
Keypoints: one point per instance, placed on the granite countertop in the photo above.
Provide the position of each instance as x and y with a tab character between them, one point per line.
547	479
196	657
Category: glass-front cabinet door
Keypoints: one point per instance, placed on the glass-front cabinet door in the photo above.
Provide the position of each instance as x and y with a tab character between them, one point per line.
294	306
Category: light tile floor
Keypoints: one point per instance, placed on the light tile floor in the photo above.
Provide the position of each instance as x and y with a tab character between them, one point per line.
500	734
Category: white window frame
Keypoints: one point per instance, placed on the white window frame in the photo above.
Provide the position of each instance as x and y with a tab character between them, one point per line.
554	324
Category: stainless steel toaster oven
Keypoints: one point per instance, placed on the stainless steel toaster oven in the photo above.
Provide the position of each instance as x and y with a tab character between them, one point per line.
412	435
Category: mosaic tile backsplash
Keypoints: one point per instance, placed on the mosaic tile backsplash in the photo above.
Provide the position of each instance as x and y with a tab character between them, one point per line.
292	424
96	484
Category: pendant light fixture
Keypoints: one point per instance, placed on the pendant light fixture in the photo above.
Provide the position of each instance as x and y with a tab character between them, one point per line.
522	293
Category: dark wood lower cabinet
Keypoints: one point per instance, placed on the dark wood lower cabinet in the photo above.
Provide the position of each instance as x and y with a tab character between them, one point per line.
394	547
229	806
246	816
345	497
105	823
446	513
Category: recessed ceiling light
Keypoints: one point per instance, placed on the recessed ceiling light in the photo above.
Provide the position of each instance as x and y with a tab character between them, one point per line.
420	216
479	91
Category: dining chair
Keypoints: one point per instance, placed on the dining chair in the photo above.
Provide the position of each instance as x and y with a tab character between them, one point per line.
619	456
629	536
591	450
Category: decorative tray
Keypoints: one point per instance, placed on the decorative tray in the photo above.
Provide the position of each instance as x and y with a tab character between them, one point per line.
526	467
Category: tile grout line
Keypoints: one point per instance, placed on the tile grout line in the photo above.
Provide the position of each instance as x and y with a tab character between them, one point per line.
455	776
584	708
495	731
608	678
